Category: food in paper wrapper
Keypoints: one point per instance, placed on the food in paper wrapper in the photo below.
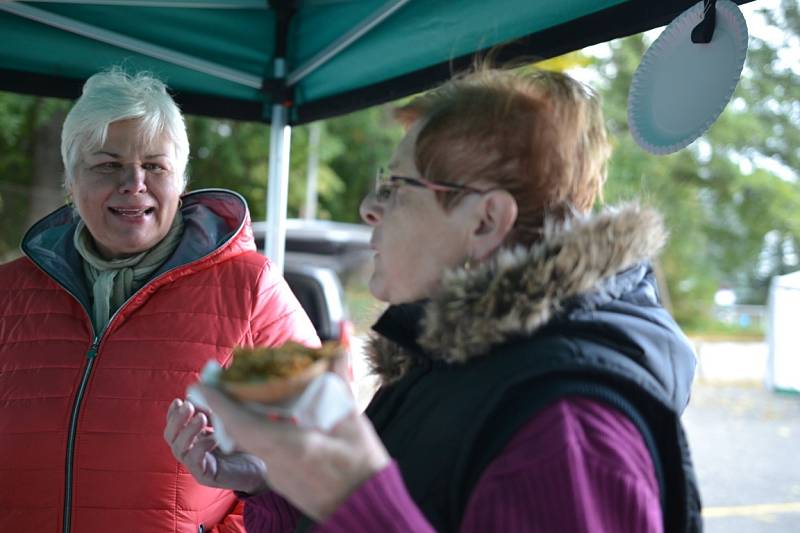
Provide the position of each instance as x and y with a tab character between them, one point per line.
273	375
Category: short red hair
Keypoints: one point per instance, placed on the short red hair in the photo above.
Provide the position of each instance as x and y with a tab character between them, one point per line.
539	135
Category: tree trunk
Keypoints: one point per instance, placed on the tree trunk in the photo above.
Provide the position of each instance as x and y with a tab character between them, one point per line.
46	192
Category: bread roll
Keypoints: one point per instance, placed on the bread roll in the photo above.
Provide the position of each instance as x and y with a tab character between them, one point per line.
273	375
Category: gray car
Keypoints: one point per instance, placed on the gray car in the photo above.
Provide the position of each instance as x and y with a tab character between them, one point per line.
320	257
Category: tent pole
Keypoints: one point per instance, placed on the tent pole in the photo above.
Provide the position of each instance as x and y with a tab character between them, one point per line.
280	140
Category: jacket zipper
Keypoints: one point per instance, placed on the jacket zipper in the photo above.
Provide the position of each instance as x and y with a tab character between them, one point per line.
73	426
76	406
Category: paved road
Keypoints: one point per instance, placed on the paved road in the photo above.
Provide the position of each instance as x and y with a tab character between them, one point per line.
746	448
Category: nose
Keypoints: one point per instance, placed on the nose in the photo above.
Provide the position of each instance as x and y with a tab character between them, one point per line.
133	180
370	210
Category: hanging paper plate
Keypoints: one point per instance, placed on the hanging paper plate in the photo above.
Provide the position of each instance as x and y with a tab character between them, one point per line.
680	87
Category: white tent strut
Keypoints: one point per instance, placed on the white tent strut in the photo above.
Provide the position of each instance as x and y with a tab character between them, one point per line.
355	33
132	44
278	187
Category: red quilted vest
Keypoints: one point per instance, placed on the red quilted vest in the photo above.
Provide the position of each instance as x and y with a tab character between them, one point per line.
82	416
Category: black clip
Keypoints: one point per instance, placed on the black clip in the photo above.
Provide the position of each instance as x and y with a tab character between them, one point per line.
281	93
703	32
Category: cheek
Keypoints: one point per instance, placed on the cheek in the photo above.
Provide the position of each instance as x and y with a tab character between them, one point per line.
409	273
168	192
85	201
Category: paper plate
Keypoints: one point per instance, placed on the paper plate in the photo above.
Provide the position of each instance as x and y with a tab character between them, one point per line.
680	87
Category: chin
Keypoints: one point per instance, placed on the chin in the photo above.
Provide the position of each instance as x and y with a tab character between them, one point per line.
378	289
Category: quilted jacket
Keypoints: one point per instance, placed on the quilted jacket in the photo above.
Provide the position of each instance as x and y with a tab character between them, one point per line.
82	413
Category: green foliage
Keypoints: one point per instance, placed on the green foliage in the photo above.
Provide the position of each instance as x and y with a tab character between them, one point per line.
369	137
20	119
231	155
235	155
713	330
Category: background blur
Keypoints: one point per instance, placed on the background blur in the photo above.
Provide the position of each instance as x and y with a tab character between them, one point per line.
731	201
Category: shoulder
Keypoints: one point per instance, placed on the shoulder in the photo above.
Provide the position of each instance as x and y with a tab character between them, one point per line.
243	264
24	289
19	273
253	259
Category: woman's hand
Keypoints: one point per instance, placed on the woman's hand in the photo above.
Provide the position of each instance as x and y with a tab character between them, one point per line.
315	471
192	443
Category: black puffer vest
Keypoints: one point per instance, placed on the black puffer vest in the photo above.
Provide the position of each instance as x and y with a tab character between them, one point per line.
444	423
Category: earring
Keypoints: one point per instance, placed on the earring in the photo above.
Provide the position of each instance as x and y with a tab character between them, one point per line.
468	263
180	203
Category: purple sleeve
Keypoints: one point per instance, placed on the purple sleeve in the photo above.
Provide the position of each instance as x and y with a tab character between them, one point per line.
382	504
578	465
269	513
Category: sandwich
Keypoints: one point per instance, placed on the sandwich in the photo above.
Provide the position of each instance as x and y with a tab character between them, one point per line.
274	375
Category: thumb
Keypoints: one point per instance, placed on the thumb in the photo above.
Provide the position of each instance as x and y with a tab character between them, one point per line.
248	429
232	414
339	364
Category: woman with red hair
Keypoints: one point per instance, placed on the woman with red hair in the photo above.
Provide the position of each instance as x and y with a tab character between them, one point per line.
531	379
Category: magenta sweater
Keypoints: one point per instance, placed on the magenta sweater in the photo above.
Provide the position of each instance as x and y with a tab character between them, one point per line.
576	466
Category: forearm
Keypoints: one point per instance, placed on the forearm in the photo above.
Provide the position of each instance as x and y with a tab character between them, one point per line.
382	504
562	484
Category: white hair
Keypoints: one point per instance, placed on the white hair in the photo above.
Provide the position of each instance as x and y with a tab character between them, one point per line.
115	95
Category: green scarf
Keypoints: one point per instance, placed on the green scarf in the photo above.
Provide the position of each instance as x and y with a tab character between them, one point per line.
114	281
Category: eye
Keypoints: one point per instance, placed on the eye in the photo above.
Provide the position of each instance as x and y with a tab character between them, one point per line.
384	192
107	167
154	168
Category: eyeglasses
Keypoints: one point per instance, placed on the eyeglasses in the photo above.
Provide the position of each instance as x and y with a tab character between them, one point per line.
386	184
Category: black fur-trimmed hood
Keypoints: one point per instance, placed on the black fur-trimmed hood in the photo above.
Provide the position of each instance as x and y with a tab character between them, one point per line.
582	265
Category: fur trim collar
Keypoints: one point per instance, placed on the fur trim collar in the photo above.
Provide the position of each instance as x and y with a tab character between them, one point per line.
521	289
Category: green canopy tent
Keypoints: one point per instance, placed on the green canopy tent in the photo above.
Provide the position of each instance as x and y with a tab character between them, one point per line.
289	62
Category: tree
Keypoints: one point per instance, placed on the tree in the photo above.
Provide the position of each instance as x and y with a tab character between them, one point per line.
235	155
732	213
30	164
369	137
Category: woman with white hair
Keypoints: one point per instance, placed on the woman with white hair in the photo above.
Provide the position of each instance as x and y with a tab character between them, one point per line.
121	296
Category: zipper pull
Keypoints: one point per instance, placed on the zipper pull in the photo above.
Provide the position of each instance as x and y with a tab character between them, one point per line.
93	349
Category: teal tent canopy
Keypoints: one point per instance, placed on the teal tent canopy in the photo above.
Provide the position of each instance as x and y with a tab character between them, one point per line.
218	56
289	62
